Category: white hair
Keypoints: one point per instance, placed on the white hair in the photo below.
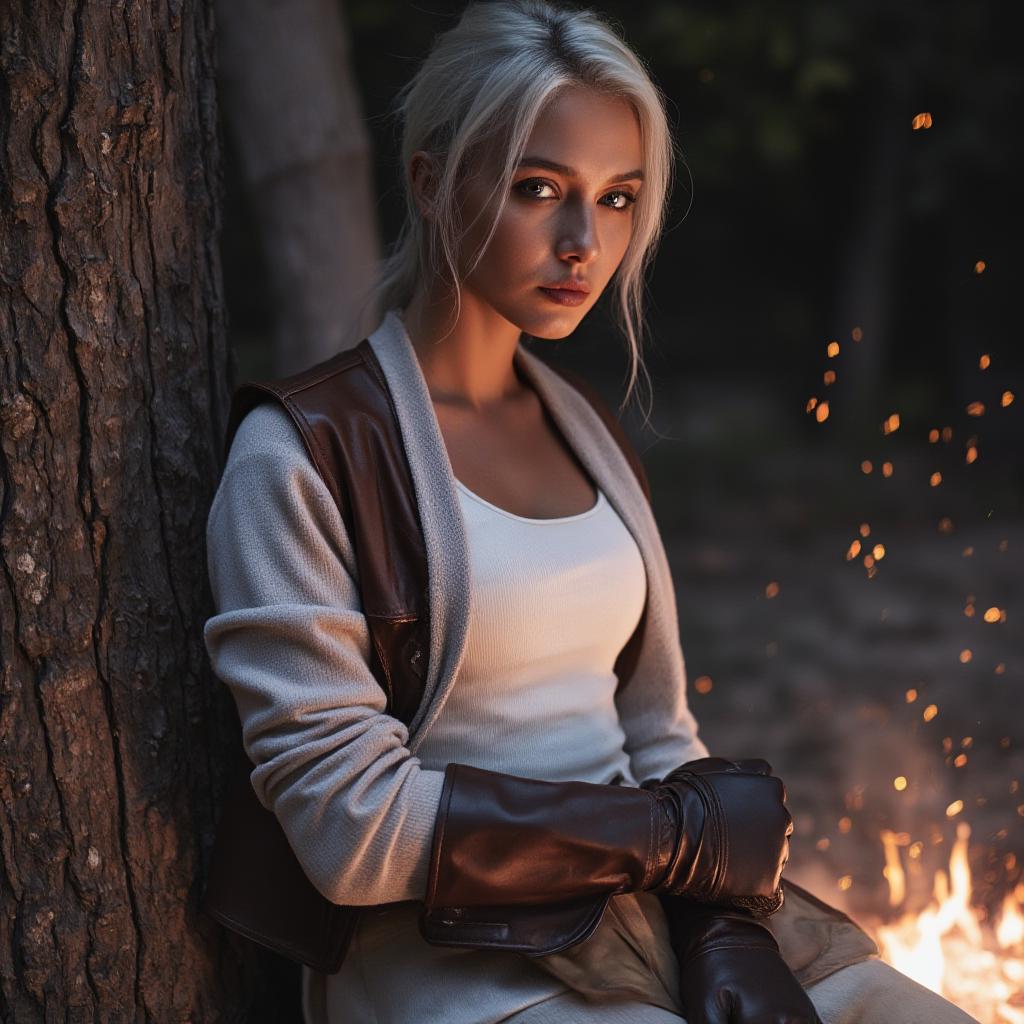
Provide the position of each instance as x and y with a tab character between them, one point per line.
480	90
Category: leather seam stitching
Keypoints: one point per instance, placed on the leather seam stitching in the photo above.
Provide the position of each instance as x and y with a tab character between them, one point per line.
652	843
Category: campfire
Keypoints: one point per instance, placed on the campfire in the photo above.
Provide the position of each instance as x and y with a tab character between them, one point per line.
949	946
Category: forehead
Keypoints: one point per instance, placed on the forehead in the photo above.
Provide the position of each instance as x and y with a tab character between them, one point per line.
597	134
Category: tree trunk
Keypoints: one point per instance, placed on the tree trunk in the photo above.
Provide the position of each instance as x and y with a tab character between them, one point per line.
294	115
113	389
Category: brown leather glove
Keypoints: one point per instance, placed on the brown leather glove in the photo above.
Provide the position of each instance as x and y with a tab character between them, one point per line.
713	829
730	968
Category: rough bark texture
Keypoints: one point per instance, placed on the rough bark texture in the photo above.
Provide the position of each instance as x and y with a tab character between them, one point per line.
113	394
293	111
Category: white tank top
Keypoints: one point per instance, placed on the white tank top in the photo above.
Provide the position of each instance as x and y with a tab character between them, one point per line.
553	603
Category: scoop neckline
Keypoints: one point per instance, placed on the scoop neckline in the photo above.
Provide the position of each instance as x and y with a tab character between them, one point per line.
531	519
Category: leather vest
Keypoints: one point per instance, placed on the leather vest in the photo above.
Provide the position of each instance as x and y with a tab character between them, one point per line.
343	410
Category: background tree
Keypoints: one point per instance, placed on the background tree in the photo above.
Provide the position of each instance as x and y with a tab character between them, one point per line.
293	116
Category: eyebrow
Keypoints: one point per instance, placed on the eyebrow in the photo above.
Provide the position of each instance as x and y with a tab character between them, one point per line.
569	172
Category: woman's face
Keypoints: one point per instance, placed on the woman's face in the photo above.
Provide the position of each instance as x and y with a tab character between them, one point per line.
569	214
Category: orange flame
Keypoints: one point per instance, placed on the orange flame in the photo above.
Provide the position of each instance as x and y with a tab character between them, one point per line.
945	947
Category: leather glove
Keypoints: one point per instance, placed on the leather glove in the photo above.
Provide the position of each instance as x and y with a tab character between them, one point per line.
761	904
744	868
730	968
713	830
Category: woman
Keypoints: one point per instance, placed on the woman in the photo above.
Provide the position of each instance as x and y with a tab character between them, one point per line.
538	163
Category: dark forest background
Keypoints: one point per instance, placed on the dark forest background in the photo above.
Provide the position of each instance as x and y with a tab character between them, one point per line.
809	208
794	120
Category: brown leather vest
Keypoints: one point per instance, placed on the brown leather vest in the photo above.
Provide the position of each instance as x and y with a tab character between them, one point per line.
343	409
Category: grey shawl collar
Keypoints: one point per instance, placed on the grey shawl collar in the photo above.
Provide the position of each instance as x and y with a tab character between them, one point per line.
661	732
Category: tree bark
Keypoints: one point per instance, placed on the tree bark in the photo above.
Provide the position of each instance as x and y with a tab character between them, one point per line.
113	395
293	112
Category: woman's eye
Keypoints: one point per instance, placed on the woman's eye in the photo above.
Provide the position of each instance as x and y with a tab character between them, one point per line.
628	199
523	186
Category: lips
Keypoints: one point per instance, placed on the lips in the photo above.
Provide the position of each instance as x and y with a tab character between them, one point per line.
569	285
565	296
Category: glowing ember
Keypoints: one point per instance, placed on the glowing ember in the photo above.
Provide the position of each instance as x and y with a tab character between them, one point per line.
702	684
950	947
922	120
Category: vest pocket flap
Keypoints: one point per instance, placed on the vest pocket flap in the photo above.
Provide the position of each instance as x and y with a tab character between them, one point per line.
531	929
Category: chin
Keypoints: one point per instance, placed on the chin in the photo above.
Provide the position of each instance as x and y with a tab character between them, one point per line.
552	326
551	333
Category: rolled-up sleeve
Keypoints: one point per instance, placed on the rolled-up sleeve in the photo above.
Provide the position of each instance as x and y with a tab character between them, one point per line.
290	641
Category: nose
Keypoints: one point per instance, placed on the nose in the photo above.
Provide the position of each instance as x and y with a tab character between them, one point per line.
578	234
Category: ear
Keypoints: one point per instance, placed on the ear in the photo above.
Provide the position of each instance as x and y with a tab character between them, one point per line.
423	174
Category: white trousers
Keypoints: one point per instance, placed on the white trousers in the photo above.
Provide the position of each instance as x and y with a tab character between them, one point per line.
392	976
870	992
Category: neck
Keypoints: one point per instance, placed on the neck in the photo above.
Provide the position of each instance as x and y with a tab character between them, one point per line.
466	361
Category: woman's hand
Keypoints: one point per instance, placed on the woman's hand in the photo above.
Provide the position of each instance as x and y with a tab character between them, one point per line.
730	968
724	827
